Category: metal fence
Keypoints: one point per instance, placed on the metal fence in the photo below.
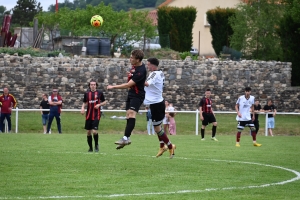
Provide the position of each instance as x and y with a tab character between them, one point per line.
17	110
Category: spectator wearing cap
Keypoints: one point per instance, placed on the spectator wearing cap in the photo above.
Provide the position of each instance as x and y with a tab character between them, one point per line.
55	102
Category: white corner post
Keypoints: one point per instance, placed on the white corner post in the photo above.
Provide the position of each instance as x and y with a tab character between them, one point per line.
266	125
197	119
17	116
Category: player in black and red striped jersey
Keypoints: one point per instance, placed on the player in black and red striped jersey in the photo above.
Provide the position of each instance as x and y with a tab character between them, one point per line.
94	99
207	115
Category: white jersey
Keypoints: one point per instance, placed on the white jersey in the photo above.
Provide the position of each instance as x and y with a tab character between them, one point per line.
245	107
154	91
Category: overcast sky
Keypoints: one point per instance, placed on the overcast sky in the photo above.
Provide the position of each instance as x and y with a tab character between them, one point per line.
9	4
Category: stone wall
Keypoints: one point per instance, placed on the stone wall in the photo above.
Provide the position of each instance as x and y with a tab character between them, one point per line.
186	81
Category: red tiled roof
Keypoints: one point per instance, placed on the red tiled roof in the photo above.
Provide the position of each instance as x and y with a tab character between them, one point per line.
153	16
165	3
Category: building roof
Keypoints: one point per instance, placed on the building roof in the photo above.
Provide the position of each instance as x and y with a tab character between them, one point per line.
153	16
165	3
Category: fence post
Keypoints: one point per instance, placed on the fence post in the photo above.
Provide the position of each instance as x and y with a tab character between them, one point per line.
5	123
17	116
197	118
266	125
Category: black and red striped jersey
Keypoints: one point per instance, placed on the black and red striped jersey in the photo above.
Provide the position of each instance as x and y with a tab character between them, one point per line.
206	105
92	99
139	75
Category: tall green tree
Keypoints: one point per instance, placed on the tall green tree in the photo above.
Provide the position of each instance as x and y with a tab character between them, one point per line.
131	25
254	29
178	24
220	28
24	11
3	12
289	32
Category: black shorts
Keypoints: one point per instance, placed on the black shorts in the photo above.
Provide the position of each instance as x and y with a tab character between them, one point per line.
91	124
208	118
242	124
134	103
158	112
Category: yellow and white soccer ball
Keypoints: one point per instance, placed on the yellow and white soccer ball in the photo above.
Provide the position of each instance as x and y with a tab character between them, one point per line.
96	21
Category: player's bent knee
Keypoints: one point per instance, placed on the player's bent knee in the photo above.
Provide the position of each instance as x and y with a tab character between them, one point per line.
252	128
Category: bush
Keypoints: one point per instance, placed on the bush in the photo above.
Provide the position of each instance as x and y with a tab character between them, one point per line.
183	55
31	51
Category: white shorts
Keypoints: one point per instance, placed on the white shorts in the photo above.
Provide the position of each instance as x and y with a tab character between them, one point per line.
165	121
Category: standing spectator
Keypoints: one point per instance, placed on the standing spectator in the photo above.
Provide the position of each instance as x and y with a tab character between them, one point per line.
207	115
55	102
271	121
149	121
257	109
8	102
136	93
172	122
94	99
154	89
166	118
243	106
45	114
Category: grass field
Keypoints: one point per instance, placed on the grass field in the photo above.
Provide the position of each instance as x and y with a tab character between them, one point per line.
38	166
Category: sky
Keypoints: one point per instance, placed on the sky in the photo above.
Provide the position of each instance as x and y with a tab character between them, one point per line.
9	4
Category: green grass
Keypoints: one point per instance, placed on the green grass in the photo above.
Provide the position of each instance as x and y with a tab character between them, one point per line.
38	166
73	122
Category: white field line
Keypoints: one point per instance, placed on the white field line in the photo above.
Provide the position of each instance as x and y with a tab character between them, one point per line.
174	192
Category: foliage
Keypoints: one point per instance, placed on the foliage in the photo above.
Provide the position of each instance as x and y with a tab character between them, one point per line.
183	55
133	25
3	12
255	31
178	24
220	29
289	32
117	5
24	12
31	51
49	21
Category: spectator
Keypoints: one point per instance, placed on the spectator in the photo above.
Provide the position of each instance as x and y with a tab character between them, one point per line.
8	102
272	113
149	121
55	102
166	118
257	109
45	114
172	122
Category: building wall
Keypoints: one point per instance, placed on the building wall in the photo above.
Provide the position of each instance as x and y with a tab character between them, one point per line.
186	81
201	33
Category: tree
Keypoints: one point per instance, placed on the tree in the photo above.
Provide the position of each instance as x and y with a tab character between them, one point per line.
49	21
24	11
254	31
3	12
220	29
128	25
289	32
178	24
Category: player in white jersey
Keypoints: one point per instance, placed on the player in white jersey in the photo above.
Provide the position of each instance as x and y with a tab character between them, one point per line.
154	88
243	107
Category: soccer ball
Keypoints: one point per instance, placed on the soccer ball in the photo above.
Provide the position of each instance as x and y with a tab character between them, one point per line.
96	21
